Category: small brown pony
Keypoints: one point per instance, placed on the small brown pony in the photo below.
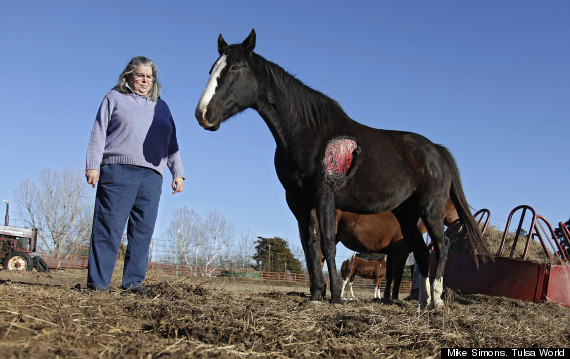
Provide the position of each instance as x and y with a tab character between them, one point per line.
374	269
381	233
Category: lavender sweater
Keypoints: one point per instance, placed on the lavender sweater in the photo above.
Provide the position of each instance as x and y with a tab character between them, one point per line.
134	130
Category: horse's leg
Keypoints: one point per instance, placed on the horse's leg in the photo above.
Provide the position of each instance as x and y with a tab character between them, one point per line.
411	231
327	223
377	282
441	252
308	231
351	292
400	256
434	206
389	274
313	259
344	282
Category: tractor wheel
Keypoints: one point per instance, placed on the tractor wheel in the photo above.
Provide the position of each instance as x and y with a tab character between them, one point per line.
18	261
40	264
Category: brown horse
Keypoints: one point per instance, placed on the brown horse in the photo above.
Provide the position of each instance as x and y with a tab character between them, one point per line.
381	233
374	269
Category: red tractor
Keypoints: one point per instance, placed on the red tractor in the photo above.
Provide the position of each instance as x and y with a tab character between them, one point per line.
16	246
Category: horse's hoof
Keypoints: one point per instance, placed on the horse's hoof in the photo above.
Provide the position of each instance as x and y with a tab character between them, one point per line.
386	301
438	304
315	302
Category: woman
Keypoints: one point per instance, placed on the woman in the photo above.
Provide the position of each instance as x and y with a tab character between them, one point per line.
132	141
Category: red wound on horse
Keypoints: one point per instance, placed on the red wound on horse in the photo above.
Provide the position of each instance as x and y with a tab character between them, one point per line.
338	156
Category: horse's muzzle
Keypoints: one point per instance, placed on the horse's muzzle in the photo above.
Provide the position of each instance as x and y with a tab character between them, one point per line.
202	121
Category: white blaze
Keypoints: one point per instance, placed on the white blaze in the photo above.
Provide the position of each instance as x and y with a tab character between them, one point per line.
210	89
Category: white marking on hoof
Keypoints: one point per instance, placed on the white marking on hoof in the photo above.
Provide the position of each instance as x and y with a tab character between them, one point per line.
437	302
343	285
376	293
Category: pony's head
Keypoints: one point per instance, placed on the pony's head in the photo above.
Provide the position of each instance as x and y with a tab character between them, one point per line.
232	85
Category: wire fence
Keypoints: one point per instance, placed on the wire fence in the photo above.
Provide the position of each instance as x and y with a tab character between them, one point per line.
229	270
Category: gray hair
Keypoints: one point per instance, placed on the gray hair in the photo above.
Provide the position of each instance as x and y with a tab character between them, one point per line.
124	77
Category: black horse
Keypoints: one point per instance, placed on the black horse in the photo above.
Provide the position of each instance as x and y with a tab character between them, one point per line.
326	160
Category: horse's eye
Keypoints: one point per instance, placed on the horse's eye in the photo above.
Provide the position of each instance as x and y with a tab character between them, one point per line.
234	68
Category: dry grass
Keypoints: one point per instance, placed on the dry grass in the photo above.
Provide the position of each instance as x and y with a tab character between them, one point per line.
52	315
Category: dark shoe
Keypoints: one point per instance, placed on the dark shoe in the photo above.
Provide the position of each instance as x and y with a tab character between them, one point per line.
95	288
137	289
414	295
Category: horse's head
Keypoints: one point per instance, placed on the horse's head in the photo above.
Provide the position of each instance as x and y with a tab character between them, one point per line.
231	87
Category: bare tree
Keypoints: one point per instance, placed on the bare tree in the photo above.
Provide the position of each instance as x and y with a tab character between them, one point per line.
243	251
58	208
197	241
185	231
218	234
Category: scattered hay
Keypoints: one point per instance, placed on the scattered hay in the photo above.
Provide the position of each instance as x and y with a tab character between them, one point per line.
53	315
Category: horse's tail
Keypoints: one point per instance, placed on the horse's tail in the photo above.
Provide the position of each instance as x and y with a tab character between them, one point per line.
473	236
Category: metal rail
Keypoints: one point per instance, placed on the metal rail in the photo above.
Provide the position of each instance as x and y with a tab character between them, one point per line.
541	229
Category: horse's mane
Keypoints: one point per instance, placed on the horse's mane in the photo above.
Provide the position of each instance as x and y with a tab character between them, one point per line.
306	104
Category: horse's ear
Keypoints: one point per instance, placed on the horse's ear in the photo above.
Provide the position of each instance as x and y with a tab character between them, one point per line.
222	44
249	42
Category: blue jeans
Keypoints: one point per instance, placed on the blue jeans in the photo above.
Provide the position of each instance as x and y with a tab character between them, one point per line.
124	193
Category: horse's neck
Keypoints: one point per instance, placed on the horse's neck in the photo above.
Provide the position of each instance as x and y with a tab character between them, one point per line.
287	135
290	130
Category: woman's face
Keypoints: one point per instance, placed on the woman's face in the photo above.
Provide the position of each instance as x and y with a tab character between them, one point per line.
141	80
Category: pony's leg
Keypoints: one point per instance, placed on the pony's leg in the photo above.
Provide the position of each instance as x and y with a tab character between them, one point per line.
351	292
344	282
327	223
377	288
411	231
389	275
399	263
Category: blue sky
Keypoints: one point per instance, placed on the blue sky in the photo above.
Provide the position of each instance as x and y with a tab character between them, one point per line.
490	80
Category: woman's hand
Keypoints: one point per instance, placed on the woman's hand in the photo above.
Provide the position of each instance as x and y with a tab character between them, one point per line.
177	184
92	177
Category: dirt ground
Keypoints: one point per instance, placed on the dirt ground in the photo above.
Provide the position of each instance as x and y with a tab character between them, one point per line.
52	315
